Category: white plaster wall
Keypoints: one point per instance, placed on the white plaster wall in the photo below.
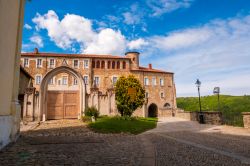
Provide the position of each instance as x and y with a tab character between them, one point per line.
5	130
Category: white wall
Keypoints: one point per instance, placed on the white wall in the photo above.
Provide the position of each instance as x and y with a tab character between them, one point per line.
11	22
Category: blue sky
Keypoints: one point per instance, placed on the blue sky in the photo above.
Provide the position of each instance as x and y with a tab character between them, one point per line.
205	39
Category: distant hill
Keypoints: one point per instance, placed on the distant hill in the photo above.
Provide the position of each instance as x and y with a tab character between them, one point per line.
231	106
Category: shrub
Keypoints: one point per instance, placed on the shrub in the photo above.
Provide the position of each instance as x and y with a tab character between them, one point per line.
91	111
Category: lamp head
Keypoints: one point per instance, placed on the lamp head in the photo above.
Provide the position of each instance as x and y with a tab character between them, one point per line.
198	83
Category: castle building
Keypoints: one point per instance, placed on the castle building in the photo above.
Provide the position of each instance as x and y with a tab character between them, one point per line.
66	84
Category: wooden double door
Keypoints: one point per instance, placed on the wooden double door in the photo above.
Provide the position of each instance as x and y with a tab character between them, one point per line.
62	104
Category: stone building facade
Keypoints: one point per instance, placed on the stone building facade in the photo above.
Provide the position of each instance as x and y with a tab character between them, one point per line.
90	79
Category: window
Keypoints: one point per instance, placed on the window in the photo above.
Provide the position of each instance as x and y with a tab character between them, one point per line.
161	82
51	81
118	65
26	62
167	105
109	64
38	79
86	64
75	81
51	63
124	65
146	81
103	65
38	63
146	95
114	80
154	81
93	64
162	95
98	64
64	80
75	63
86	80
113	65
97	80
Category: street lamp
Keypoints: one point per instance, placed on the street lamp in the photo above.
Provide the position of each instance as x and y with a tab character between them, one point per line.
217	91
198	84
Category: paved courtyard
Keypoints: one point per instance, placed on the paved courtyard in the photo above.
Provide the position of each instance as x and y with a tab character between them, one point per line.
173	142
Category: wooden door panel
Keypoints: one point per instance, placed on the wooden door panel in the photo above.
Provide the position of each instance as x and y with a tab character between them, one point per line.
62	104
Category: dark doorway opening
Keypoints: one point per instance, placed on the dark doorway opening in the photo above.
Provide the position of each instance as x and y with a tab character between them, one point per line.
152	110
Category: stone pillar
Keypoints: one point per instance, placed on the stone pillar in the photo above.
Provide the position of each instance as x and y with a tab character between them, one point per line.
246	119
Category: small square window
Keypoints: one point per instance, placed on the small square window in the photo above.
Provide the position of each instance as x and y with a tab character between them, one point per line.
39	63
86	64
76	64
51	63
97	81
86	80
26	62
75	81
51	81
114	80
161	82
38	79
64	80
146	82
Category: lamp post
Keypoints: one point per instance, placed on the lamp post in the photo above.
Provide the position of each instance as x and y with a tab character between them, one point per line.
217	91
198	84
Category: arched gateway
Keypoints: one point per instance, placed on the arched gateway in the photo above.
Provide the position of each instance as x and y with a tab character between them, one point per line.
44	96
152	110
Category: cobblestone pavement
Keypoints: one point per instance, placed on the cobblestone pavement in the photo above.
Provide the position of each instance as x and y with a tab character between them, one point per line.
181	142
69	142
174	142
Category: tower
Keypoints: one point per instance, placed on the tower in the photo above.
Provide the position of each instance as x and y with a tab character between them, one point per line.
134	56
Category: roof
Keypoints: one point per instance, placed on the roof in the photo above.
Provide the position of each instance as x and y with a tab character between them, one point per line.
145	69
45	54
25	72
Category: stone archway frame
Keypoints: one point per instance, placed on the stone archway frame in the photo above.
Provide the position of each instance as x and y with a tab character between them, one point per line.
44	87
157	109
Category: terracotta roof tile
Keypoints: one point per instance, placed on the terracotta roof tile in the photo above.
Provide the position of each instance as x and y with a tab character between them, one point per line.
44	54
151	70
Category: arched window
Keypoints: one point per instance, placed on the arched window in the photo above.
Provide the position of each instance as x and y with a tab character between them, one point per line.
103	64
98	64
93	64
166	105
124	65
113	64
109	64
118	65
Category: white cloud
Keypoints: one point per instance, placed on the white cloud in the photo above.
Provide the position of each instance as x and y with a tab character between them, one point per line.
107	41
137	44
74	29
160	7
218	53
27	26
134	15
37	40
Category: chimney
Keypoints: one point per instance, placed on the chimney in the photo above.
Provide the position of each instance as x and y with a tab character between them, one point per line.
150	66
36	50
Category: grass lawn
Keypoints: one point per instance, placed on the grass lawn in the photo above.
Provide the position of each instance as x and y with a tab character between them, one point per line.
120	125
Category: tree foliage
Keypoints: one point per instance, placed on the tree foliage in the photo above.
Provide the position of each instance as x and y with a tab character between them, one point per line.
126	104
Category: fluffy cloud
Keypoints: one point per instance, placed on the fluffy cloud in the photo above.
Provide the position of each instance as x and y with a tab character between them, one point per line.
36	39
218	53
137	44
160	7
107	41
134	15
74	29
27	26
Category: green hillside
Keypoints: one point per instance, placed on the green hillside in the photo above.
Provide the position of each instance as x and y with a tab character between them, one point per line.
231	106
